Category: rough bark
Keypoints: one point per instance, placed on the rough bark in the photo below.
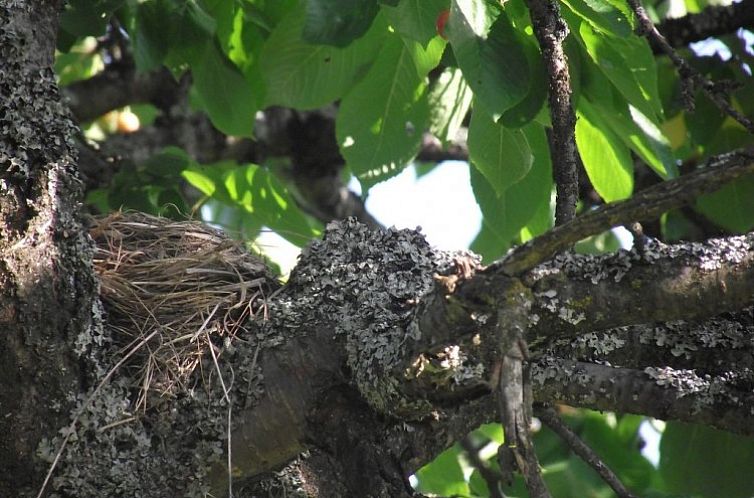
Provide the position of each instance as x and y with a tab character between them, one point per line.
377	353
48	293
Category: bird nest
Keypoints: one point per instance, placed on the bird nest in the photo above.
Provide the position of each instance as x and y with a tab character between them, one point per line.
173	290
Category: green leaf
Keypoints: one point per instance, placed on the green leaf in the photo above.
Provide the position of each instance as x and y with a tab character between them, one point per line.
338	22
192	29
629	64
380	122
503	156
489	52
449	102
531	105
415	19
702	461
256	191
731	207
606	160
150	36
425	59
635	130
298	74
225	94
602	16
87	17
505	215
444	476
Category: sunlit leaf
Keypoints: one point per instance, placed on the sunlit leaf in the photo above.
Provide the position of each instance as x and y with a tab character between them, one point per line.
503	156
449	102
306	76
489	52
416	19
380	122
606	160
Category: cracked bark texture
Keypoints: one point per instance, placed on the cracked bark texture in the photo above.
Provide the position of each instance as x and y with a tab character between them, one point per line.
48	293
355	387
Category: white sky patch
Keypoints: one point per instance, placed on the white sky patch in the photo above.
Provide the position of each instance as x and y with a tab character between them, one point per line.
440	202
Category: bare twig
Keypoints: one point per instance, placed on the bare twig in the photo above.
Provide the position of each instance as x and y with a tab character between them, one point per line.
691	78
550	417
645	205
551	30
712	21
489	474
226	395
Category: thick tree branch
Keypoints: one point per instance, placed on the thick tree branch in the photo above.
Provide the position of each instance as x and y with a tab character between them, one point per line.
550	29
117	86
645	205
660	392
712	21
664	283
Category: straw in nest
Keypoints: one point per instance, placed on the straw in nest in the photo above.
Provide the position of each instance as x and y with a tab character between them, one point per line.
174	288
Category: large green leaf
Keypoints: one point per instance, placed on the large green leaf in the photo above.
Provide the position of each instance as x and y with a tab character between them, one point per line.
415	19
731	207
531	105
505	215
338	22
634	129
227	97
606	159
380	122
701	461
503	156
256	191
489	52
305	76
444	475
629	64
87	17
602	16
151	38
449	102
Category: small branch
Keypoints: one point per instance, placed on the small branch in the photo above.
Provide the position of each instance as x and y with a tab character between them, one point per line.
663	393
551	30
690	76
550	417
712	21
512	376
489	474
645	205
432	150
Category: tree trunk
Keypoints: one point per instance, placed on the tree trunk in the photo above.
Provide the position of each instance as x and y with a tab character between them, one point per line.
49	309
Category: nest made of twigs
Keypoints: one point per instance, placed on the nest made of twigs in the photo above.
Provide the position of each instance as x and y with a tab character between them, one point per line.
171	290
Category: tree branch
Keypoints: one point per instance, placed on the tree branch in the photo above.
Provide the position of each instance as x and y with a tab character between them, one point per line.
689	76
117	86
644	205
551	30
574	293
551	418
712	21
664	393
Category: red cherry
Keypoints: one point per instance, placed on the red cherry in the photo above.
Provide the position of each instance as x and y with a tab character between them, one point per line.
442	19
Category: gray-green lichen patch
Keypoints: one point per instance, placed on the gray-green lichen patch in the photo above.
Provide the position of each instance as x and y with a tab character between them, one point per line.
366	284
708	256
166	451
